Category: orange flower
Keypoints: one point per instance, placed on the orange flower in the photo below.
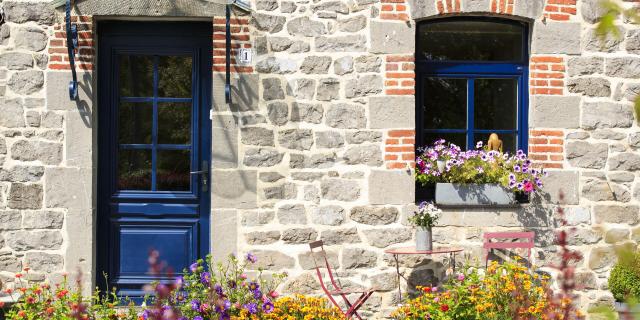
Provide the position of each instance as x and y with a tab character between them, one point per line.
22	314
8	291
26	269
62	293
49	310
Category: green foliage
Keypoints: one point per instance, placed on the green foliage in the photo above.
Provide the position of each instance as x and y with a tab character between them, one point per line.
624	281
427	215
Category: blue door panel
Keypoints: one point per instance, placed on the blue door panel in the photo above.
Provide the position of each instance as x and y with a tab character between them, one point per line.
155	209
136	239
154	94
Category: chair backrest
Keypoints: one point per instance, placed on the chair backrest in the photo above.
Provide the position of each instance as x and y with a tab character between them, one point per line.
313	246
527	235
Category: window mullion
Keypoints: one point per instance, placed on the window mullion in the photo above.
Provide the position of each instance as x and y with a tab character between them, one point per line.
154	129
470	112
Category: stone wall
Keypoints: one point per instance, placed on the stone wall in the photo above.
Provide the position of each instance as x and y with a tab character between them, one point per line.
319	142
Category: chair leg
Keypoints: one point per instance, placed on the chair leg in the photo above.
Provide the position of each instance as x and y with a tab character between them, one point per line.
356	305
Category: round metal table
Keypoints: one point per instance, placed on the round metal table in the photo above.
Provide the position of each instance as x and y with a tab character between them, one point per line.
396	252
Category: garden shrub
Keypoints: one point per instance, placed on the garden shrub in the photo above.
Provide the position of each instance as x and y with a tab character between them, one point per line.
502	292
624	280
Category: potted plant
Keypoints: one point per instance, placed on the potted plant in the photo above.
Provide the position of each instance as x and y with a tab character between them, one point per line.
478	177
424	219
623	283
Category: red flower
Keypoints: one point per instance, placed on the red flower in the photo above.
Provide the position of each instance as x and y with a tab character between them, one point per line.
444	308
61	294
18	275
1	304
31	300
22	314
426	289
26	269
8	291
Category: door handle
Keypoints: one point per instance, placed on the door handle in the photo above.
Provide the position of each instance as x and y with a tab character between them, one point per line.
204	174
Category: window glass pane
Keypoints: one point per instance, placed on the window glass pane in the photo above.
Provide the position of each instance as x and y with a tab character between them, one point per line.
509	141
459	139
174	77
174	168
470	40
174	123
445	103
135	123
136	76
134	169
496	104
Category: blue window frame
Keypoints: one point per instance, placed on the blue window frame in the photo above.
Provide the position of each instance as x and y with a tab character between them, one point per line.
472	80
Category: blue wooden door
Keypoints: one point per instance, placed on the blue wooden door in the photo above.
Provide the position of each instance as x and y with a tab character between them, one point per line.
154	148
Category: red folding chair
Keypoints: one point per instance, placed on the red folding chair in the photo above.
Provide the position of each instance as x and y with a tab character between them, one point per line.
352	307
489	245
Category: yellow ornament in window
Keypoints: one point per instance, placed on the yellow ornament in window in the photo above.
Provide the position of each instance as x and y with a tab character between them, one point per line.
494	142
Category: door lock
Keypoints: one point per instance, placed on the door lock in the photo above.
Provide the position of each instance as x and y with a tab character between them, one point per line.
204	174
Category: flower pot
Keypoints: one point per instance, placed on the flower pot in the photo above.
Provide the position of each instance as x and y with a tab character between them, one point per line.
626	311
474	195
424	240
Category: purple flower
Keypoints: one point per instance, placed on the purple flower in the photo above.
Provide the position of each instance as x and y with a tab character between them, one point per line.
193	267
257	294
251	307
253	286
512	177
218	289
198	318
195	305
516	168
267	307
205	277
179	282
251	257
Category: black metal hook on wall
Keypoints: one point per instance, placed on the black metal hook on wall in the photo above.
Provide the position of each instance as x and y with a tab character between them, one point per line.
72	45
2	18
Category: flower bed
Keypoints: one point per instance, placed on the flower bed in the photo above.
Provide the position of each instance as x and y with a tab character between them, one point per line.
507	291
204	292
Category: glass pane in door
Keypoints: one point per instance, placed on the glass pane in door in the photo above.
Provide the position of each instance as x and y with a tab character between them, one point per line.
136	75
174	77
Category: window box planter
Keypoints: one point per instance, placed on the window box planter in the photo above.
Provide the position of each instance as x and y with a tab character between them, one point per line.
626	311
475	195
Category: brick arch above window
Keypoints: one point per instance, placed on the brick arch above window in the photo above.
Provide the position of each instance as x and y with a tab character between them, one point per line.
529	9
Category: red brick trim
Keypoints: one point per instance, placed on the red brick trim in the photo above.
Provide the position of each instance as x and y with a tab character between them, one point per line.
400	75
546	147
448	6
399	149
240	38
546	75
394	10
502	6
85	54
560	10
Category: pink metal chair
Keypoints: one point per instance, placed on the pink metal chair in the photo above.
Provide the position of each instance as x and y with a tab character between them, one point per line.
352	307
489	245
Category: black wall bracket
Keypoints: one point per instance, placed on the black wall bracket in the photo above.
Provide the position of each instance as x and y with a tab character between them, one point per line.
72	45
